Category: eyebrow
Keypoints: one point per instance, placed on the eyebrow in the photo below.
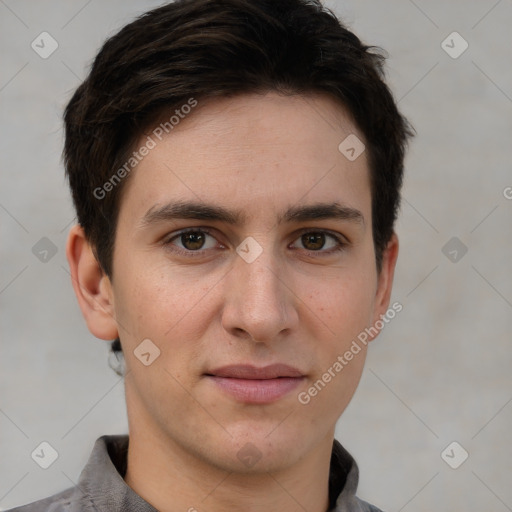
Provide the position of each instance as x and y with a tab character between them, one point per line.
211	212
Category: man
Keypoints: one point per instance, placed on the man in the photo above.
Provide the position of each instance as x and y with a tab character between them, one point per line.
235	166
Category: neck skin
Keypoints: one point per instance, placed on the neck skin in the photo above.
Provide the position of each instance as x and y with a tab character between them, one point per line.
174	480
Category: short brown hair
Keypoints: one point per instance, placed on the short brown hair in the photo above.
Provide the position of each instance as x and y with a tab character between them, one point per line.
206	48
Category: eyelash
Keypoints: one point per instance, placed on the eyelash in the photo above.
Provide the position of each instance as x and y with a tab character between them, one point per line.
341	243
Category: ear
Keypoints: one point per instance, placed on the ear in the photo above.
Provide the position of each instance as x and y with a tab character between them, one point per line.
92	287
385	281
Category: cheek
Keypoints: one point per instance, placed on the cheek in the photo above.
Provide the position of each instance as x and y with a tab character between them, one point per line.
344	307
343	302
158	302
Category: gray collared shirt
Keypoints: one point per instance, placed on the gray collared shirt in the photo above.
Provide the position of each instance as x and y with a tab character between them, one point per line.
101	487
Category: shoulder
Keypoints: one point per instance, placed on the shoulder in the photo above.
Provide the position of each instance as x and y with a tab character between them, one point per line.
60	502
343	482
363	506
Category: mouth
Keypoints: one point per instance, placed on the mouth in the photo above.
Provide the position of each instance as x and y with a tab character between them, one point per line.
252	385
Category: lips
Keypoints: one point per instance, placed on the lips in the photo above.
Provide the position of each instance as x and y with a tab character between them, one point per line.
252	385
246	371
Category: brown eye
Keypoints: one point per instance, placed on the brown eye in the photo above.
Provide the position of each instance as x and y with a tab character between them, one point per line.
322	242
313	241
193	240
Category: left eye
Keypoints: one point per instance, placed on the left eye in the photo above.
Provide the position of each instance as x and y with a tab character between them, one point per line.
315	240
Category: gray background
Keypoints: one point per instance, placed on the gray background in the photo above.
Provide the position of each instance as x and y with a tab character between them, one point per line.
439	372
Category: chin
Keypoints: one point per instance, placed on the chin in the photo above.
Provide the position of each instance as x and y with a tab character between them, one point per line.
262	450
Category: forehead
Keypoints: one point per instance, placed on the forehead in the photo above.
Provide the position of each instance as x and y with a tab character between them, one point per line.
254	152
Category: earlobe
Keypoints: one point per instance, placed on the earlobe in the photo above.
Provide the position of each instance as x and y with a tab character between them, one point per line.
385	279
92	287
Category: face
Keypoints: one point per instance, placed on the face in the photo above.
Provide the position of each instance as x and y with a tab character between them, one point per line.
279	271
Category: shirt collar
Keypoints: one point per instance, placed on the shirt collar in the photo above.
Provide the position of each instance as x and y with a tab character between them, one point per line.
102	487
101	483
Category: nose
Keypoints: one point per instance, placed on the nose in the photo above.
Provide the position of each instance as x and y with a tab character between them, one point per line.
259	302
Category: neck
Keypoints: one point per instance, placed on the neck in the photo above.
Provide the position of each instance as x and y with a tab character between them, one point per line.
172	479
